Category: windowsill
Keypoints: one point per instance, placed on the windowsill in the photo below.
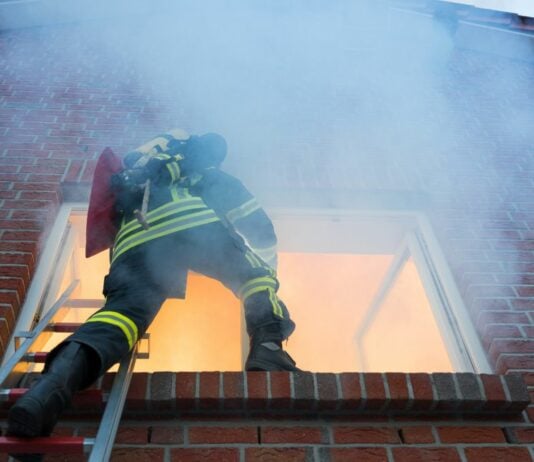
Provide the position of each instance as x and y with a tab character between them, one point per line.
305	394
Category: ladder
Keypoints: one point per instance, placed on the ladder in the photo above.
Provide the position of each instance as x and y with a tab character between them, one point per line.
97	449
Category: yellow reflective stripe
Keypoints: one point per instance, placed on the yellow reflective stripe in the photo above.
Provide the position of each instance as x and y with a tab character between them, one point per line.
163	211
243	210
174	171
256	285
162	156
174	193
277	309
163	229
117	319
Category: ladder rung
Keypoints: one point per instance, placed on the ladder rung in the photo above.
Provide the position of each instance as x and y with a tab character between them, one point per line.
46	445
63	326
35	357
81	398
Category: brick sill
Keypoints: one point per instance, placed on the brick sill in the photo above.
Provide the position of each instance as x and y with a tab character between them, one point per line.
303	394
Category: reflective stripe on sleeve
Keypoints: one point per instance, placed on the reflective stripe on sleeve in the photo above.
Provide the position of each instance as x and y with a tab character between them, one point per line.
125	324
174	171
243	210
256	285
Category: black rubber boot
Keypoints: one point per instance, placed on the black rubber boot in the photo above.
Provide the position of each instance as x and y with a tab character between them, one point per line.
37	411
266	352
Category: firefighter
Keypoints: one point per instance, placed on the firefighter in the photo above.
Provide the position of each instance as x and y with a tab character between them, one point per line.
179	212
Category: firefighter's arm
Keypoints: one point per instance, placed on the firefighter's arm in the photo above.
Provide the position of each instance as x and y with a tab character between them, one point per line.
250	221
232	200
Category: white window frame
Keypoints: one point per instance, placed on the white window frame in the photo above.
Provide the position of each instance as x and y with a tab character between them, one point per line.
460	337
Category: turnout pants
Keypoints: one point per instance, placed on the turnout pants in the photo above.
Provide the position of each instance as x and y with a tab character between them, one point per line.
141	279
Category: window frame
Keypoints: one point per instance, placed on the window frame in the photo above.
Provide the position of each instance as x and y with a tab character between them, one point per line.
460	337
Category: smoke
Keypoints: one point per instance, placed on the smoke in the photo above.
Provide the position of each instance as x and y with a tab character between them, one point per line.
310	95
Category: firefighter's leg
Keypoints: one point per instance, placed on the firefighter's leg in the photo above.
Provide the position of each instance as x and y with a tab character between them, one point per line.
36	413
132	300
268	325
222	257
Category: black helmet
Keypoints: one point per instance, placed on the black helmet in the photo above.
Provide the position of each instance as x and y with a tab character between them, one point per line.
204	151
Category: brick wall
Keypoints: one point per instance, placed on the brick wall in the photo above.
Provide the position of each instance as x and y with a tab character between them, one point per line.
63	98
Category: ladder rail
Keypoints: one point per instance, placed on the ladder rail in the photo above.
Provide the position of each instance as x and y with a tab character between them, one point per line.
109	423
8	367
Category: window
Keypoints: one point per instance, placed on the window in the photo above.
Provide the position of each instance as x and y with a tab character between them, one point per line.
369	291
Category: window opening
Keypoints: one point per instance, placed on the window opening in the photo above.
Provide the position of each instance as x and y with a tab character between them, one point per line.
368	291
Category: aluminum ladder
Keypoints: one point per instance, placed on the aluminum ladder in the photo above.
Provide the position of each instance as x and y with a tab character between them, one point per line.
97	449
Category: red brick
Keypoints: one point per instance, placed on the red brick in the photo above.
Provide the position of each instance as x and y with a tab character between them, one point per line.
17	271
500	454
522	304
222	435
523	434
40	195
422	391
427	455
33	177
40	216
137	392
493	388
365	435
137	455
161	391
471	434
375	392
507	362
74	170
277	454
8	194
204	454
132	435
26	204
233	390
16	284
14	246
256	390
186	390
511	346
525	291
354	454
166	435
88	171
209	390
10	297
293	434
417	435
502	318
280	390
398	390
327	391
7	312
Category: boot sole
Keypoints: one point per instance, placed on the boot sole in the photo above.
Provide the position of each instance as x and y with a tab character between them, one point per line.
257	365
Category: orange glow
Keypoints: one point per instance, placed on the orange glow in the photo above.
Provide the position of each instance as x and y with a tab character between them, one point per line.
328	295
